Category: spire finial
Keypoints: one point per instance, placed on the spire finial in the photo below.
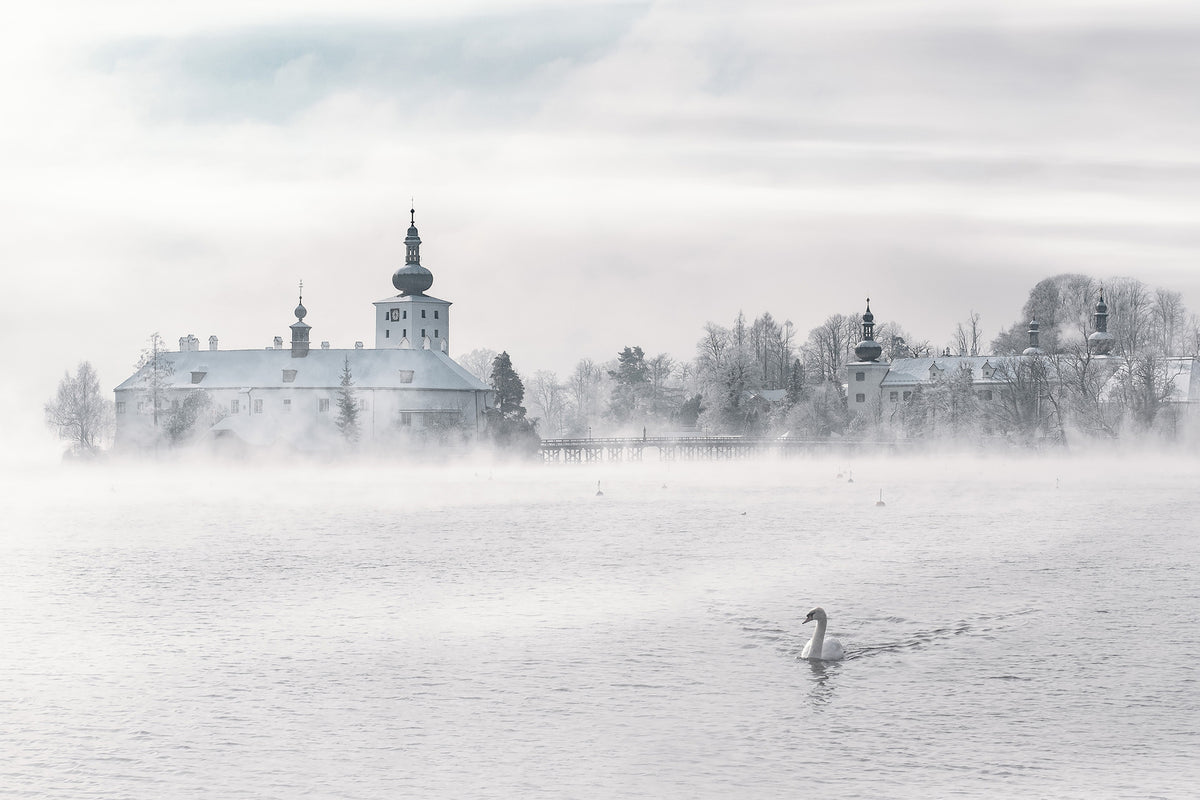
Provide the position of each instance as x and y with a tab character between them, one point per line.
301	291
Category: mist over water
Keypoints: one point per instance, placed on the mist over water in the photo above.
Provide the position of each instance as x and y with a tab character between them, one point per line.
493	631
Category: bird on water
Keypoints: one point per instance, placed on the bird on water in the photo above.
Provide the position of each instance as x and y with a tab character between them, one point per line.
818	647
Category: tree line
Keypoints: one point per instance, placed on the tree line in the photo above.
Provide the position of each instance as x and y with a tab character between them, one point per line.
759	377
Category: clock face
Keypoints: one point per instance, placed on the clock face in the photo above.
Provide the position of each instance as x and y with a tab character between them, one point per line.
395	315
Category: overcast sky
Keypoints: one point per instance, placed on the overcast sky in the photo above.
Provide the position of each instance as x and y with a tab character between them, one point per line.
586	176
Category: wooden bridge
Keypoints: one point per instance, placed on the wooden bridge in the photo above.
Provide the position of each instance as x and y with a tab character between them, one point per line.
693	448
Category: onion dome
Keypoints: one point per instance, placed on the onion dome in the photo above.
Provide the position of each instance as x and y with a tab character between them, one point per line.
1033	349
1101	341
868	349
412	278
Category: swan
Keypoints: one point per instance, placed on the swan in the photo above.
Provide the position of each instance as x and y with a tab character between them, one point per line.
818	647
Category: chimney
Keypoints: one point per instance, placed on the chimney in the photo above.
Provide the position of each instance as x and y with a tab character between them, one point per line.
324	345
212	343
278	343
358	346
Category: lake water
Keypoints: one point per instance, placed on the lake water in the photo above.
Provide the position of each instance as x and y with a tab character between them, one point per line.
1012	627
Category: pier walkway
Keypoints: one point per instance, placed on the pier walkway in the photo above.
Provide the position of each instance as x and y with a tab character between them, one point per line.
694	448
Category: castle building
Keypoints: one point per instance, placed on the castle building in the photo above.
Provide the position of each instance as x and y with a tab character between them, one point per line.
879	391
288	396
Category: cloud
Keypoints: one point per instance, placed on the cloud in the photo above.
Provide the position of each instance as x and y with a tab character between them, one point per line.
272	73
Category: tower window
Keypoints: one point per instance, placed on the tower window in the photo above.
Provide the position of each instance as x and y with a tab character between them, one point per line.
404	332
860	398
860	376
395	315
437	334
422	333
405	314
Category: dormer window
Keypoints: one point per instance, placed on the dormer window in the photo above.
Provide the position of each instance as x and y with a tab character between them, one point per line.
935	370
289	376
406	376
198	375
987	370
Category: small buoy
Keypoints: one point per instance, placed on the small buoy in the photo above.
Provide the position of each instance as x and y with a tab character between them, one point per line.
851	479
743	513
880	502
598	492
664	486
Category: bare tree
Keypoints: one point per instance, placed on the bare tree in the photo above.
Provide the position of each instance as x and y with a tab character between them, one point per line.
967	336
479	362
1169	315
548	396
584	391
830	345
78	412
155	369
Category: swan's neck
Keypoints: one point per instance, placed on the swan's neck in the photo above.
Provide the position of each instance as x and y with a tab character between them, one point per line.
818	639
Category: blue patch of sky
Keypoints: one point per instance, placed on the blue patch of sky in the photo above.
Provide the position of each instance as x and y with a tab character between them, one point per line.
496	62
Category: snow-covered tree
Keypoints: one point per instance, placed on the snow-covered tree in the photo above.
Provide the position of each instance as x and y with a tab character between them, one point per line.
78	412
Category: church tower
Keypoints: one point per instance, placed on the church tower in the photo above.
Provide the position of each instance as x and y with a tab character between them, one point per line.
864	377
412	319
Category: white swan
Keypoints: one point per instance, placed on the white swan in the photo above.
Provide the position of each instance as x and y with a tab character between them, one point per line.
818	647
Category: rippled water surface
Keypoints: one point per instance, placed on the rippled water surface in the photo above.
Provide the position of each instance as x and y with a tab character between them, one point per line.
1011	627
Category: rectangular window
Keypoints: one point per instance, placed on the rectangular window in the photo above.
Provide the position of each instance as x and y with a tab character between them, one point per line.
404	332
422	313
406	376
422	333
986	394
435	313
405	314
406	418
235	405
120	406
907	395
437	334
894	396
860	376
323	405
860	398
287	404
258	406
387	334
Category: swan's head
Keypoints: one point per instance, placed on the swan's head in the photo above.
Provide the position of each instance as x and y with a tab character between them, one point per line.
817	614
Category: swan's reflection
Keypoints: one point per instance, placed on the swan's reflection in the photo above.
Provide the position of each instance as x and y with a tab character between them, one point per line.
821	690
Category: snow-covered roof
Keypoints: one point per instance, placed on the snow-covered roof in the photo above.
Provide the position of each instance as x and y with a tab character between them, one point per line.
408	298
320	369
911	371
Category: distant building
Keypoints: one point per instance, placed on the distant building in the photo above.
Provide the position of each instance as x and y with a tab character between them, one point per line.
288	396
879	391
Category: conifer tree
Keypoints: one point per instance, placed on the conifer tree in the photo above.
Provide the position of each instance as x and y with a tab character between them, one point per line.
347	419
